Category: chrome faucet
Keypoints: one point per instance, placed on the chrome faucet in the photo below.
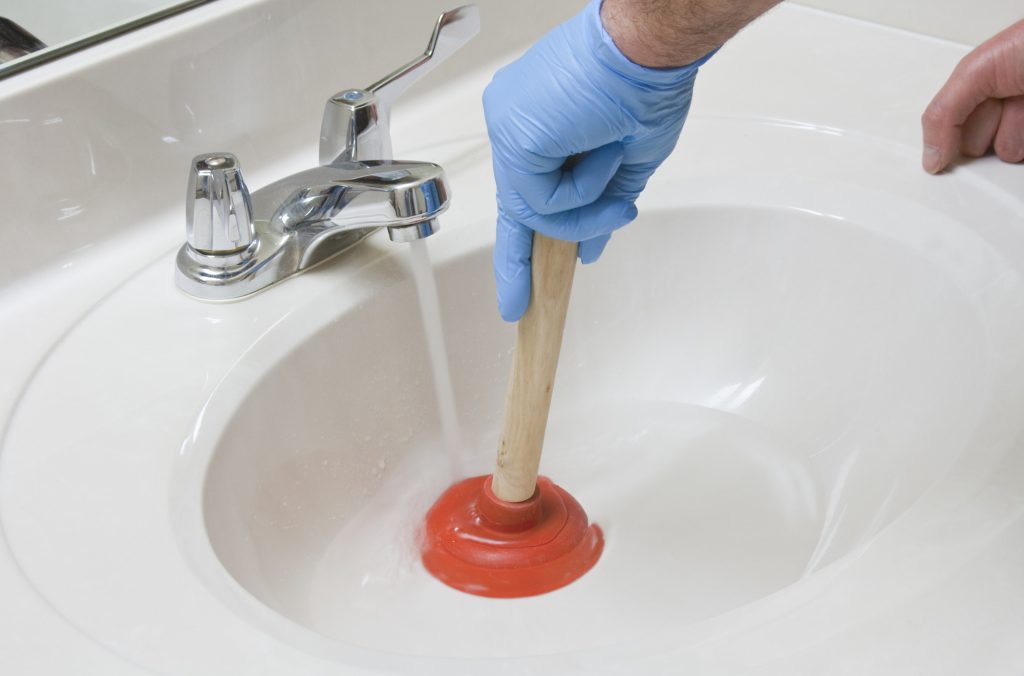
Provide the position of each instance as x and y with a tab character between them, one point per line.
239	243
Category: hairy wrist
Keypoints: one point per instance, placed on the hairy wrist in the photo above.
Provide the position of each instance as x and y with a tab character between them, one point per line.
672	33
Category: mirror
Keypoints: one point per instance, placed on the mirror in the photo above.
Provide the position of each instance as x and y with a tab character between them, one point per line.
33	32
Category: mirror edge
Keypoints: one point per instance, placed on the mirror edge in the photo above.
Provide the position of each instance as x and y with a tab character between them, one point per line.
91	39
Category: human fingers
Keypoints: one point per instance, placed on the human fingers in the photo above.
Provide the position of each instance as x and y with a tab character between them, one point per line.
979	129
1009	142
560	189
993	70
601	217
590	249
513	247
943	119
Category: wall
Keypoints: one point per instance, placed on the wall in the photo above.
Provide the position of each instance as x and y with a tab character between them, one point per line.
113	137
968	22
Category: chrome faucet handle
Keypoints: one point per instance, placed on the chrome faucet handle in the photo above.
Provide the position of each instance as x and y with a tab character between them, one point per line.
356	125
218	210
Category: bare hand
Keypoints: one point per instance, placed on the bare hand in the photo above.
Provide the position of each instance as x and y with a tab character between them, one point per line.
981	106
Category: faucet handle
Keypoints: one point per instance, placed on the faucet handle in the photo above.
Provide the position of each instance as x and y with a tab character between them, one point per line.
453	29
218	209
356	123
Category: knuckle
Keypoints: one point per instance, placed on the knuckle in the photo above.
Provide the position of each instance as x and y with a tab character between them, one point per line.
546	209
933	115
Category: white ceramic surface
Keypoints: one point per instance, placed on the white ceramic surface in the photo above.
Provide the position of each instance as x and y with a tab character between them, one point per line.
970	23
807	349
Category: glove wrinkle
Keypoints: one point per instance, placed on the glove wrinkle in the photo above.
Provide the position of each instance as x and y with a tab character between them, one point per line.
574	92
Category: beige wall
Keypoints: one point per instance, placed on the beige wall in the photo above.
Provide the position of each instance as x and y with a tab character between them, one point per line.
243	75
967	21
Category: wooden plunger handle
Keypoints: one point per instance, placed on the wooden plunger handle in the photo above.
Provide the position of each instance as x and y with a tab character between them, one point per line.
538	343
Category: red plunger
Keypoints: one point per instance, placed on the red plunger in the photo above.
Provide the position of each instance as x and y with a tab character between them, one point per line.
514	534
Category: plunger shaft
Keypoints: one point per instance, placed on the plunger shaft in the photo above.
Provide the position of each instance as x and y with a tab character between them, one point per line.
538	343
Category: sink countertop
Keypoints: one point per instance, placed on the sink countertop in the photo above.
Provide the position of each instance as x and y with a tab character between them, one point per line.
784	68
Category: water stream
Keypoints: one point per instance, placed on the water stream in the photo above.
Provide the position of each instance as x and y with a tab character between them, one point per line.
430	311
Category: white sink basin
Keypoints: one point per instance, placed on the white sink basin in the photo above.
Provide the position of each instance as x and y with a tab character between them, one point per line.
748	393
755	384
789	394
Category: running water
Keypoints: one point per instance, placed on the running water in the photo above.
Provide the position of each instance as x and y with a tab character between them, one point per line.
430	310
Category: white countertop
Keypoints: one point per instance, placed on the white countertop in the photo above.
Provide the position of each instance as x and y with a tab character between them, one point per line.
798	67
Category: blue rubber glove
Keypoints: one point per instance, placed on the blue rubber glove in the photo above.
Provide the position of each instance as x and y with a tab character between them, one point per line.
574	92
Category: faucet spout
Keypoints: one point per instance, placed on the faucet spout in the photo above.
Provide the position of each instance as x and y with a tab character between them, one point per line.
239	243
318	206
354	195
308	217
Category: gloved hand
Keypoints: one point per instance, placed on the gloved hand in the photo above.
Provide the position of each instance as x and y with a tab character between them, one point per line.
574	92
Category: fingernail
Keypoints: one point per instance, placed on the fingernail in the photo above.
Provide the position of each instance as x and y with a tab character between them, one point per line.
930	160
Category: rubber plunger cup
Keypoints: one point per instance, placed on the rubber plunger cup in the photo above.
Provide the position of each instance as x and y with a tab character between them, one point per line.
513	533
480	544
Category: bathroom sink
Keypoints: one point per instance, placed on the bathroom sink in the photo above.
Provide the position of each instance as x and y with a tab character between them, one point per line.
789	394
748	393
